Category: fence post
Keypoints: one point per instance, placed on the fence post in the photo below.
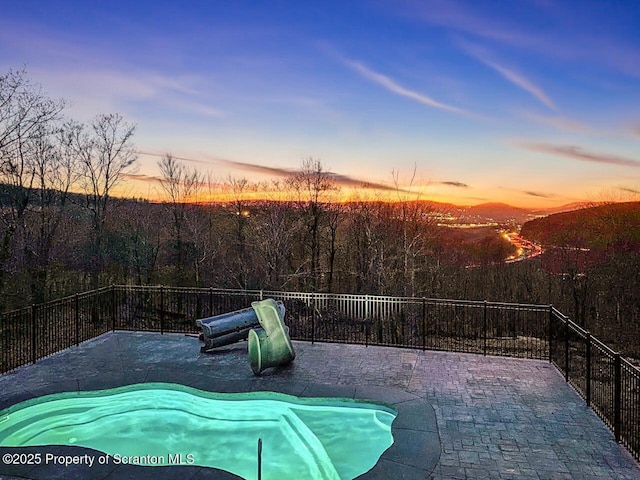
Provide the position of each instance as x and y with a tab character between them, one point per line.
313	318
424	323
162	309
588	367
617	397
76	305
33	333
566	349
125	301
484	348
210	301
550	333
114	308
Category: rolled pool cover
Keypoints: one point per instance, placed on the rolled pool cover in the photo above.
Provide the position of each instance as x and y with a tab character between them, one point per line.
269	345
230	327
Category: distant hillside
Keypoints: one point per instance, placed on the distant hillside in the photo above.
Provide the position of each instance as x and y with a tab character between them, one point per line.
505	213
499	212
9	193
569	207
615	225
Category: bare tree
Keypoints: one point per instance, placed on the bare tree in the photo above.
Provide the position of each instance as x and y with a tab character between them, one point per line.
416	233
335	212
25	111
200	231
137	224
276	229
55	170
366	241
311	185
239	187
410	216
180	186
106	153
205	232
239	260
23	108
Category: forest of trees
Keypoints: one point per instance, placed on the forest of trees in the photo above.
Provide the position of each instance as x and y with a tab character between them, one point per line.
62	231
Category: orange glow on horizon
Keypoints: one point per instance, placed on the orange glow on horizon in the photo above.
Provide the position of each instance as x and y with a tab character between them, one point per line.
223	193
149	188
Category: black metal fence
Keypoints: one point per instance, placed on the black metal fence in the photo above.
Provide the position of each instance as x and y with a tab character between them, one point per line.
608	383
35	332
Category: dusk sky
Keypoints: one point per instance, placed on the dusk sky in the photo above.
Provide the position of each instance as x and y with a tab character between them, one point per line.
532	102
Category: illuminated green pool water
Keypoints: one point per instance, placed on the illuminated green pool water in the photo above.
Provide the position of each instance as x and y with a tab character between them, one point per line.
169	424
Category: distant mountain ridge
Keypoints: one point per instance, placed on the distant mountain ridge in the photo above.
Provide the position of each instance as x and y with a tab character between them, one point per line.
499	212
570	207
601	226
502	212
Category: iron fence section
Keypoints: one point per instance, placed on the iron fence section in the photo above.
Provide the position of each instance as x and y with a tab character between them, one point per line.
16	339
424	323
609	384
173	309
630	407
35	332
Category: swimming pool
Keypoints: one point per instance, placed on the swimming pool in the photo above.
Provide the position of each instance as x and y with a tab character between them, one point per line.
168	424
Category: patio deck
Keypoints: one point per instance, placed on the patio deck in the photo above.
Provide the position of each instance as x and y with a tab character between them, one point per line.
460	416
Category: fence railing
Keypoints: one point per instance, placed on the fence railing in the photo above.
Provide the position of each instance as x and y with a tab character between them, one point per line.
608	383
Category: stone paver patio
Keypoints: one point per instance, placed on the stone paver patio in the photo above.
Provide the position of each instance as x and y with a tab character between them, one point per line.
482	417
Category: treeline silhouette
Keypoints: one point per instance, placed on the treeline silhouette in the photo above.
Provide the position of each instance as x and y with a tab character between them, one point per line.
370	247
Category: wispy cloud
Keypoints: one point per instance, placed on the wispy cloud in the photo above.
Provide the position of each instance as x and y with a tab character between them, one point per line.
394	87
530	193
141	177
517	79
454	184
337	178
105	81
121	89
538	194
560	122
522	82
456	16
184	159
577	153
157	180
572	41
348	181
257	168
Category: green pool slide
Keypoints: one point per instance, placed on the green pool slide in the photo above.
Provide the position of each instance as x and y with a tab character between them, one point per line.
270	345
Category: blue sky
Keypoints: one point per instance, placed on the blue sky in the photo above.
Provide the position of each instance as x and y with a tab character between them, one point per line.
532	102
